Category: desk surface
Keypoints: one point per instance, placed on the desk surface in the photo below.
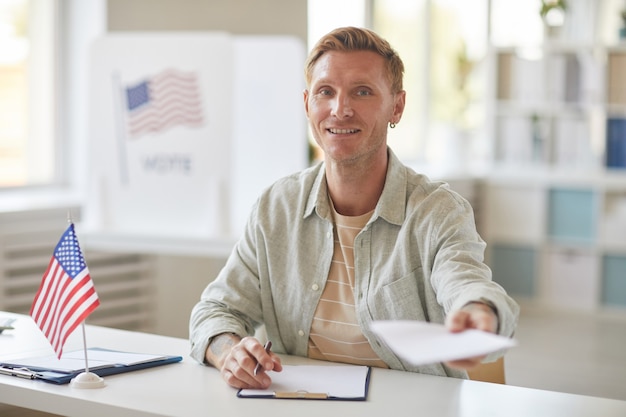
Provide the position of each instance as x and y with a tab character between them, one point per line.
189	389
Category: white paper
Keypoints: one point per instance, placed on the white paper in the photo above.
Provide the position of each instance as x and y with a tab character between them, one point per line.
75	361
422	343
335	381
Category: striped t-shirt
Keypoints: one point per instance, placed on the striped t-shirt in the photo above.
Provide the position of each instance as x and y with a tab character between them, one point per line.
335	332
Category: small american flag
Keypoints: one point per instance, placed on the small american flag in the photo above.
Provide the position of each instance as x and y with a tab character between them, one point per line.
170	98
66	295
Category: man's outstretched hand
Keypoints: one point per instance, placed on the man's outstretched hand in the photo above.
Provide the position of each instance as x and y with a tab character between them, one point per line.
474	315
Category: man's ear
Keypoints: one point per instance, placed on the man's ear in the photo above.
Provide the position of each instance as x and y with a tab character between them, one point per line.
398	108
305	95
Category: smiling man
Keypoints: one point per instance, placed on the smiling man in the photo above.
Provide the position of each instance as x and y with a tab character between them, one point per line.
357	238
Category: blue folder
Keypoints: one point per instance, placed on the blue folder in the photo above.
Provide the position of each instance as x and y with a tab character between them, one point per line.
616	142
59	377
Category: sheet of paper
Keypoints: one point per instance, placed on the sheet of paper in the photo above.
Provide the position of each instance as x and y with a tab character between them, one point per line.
335	381
422	343
75	361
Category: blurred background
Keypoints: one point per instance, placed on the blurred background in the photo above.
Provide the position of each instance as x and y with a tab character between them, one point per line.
519	105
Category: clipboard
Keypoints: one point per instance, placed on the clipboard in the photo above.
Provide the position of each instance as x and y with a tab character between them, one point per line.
315	382
102	362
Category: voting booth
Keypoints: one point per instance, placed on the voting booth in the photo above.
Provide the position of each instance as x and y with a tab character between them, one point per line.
187	129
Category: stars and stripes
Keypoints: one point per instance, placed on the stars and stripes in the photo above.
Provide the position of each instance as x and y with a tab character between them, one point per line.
155	104
66	295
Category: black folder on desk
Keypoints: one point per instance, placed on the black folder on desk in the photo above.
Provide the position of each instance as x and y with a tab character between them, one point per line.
102	362
315	382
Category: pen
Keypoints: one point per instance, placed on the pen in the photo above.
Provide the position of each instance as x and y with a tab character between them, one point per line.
267	347
20	373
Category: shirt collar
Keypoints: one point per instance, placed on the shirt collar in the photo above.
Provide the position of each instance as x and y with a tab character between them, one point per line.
387	207
392	203
318	197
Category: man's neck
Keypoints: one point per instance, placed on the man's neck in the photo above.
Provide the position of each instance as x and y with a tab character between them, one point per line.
355	190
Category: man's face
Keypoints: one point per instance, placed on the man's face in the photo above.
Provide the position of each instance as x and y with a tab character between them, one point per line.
349	104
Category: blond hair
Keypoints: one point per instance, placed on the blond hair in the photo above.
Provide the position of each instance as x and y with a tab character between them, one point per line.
349	39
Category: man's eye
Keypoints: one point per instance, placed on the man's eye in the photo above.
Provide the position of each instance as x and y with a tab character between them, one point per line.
363	93
325	92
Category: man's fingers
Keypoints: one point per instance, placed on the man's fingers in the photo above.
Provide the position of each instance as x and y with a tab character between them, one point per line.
465	364
239	367
269	361
472	316
457	321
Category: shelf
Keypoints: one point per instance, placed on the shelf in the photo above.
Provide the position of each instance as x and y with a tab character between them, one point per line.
571	215
571	279
515	268
156	245
555	200
542	176
614	281
556	237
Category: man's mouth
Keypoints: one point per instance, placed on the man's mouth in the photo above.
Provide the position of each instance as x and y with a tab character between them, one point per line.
342	131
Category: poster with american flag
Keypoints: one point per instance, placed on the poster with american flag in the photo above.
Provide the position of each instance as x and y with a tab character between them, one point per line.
158	103
182	130
66	295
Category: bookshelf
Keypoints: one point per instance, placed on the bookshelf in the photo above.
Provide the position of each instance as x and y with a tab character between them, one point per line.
616	108
554	204
557	239
560	105
547	102
616	78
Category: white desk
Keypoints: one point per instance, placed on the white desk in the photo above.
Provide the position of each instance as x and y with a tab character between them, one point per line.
189	389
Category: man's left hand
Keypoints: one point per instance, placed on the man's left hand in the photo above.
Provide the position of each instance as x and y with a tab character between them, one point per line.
474	315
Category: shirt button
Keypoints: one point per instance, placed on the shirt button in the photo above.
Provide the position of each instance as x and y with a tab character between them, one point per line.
315	287
301	332
329	235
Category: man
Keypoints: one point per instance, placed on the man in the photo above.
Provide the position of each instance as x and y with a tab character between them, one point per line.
357	238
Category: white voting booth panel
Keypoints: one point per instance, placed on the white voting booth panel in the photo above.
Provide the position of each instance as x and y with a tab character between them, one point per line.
269	136
186	130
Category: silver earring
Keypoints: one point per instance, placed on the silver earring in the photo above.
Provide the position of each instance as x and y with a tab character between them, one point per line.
392	125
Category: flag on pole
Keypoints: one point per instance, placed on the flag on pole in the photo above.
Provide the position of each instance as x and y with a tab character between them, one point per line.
155	104
66	295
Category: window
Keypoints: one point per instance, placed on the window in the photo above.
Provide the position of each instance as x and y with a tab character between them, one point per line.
27	92
326	15
443	44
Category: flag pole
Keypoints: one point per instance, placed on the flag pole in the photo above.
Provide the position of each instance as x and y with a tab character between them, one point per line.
85	347
70	221
120	124
84	379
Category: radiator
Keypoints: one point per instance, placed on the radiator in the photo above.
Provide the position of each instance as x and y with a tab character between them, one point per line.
123	281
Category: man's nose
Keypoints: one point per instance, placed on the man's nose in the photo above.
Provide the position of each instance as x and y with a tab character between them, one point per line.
342	106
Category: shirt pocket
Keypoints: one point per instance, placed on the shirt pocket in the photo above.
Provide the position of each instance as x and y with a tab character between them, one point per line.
401	299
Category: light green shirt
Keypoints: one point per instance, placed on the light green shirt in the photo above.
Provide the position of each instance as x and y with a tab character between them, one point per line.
417	258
